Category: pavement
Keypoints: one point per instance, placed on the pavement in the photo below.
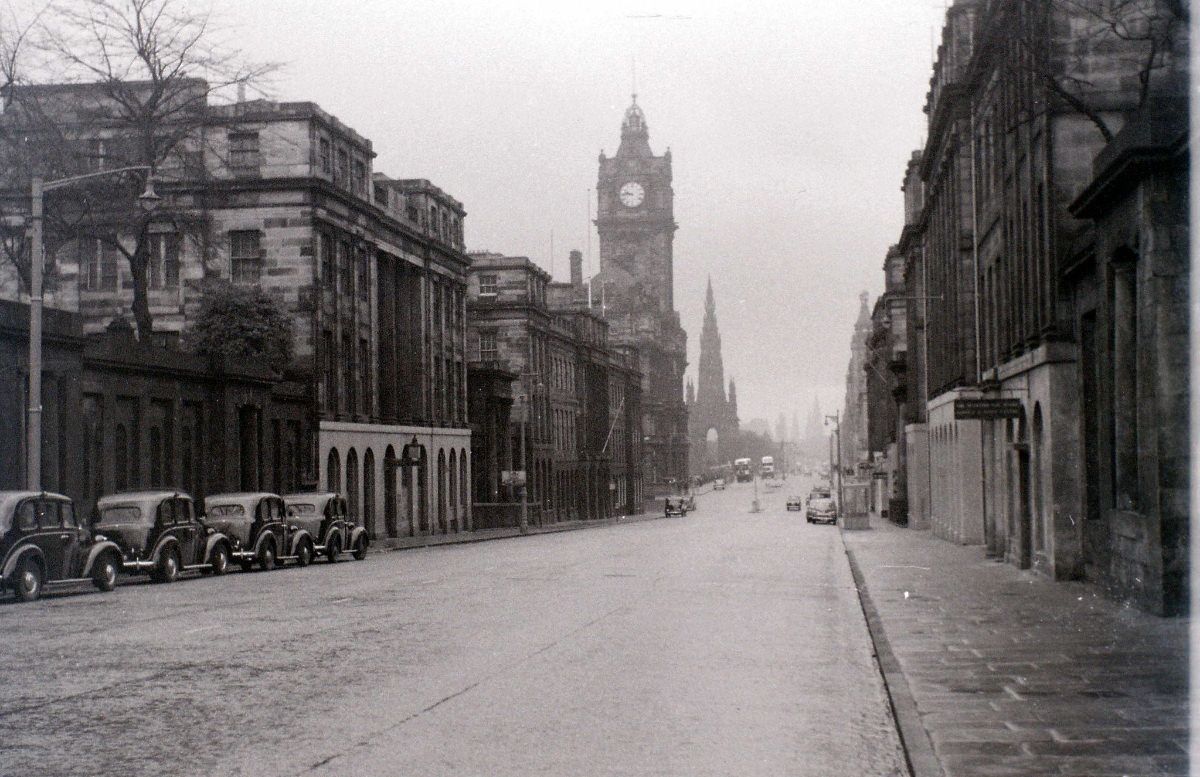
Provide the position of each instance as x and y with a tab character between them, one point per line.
993	670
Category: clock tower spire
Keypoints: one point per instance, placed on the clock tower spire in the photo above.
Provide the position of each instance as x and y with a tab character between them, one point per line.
635	221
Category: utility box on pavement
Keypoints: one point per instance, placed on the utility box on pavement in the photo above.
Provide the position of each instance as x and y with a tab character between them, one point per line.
855	509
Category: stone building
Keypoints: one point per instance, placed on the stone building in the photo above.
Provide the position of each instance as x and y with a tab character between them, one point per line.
1128	292
712	418
579	396
885	375
636	226
855	456
1019	246
118	414
371	271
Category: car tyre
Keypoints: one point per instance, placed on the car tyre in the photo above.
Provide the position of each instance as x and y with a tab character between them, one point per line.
266	557
333	549
104	576
304	554
360	548
219	560
167	570
27	584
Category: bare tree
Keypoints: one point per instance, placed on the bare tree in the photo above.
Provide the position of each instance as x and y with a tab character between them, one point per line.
1146	37
117	84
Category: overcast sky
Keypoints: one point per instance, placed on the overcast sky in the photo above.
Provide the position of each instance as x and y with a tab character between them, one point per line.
789	124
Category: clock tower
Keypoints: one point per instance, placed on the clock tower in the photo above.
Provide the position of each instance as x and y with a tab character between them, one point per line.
635	220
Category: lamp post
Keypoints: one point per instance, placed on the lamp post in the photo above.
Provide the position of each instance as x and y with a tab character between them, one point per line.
38	188
522	417
837	429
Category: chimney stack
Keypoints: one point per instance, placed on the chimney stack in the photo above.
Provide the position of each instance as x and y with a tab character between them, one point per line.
576	268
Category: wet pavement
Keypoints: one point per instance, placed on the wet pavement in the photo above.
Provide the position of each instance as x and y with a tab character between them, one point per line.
997	671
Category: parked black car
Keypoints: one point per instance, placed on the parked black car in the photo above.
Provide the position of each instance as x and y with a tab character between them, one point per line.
258	529
326	517
43	542
159	532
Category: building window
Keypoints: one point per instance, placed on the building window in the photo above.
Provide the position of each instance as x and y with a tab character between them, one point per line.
364	274
326	260
243	153
162	270
364	374
245	256
345	272
343	168
329	373
98	261
325	156
360	177
489	285
487	347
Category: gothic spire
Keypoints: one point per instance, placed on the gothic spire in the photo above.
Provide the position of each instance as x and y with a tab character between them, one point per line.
635	134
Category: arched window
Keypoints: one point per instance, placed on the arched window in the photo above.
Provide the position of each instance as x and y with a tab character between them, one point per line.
333	471
121	458
156	453
441	490
453	479
352	495
390	471
464	496
368	503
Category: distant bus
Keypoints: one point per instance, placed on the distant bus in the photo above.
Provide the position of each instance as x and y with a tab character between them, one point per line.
741	470
767	470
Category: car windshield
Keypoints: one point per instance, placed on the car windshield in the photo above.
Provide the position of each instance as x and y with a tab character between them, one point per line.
302	508
226	511
821	503
120	514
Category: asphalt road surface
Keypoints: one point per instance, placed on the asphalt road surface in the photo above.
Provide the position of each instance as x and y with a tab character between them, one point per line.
723	643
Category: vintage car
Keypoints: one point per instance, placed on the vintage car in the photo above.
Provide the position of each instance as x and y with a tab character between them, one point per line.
822	509
259	529
674	505
43	542
326	518
160	533
794	502
719	484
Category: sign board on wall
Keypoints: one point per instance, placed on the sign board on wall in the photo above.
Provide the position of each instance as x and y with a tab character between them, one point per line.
986	409
512	477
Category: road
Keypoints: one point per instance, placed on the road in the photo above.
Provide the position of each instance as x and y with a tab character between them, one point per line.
723	643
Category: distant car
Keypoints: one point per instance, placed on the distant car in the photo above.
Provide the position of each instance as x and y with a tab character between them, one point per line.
326	518
43	542
719	484
821	509
794	502
159	532
258	528
674	505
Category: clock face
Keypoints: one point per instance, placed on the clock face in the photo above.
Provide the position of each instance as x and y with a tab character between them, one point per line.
632	194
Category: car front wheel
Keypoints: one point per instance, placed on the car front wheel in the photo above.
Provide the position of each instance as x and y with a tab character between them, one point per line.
219	561
27	584
168	567
333	549
360	548
304	554
266	557
104	576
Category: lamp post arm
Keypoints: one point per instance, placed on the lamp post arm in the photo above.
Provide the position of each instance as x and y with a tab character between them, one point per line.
59	183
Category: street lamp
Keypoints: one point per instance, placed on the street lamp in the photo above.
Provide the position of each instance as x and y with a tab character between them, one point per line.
33	425
837	429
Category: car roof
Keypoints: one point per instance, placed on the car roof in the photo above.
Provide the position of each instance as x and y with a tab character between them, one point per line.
239	497
139	496
310	496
